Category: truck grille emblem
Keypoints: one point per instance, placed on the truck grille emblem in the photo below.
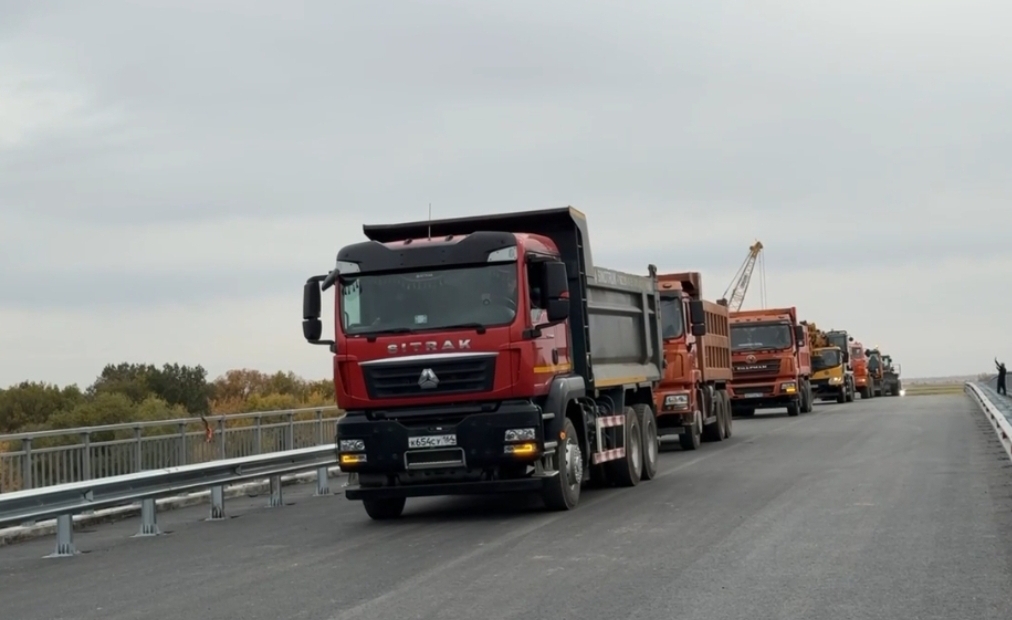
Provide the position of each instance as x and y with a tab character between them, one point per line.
750	359
428	379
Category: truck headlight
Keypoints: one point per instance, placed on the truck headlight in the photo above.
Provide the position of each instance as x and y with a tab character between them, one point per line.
351	445
789	386
836	380
521	434
676	401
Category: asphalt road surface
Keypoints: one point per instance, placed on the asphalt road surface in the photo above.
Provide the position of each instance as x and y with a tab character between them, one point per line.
894	508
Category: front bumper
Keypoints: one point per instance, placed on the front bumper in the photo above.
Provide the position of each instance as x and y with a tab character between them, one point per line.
464	457
823	387
765	395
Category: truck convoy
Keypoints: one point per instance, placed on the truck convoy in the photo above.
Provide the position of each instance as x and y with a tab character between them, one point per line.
692	399
491	355
832	377
771	362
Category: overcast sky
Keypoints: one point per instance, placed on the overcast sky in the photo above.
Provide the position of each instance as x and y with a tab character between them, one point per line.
171	171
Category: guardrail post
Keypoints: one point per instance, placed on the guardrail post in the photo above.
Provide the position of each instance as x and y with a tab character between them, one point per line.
221	437
319	427
290	432
85	462
323	481
182	444
149	518
86	456
258	435
64	537
26	468
277	497
217	503
138	450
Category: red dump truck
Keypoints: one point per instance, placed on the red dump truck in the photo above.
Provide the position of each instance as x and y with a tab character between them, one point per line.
692	399
771	362
488	355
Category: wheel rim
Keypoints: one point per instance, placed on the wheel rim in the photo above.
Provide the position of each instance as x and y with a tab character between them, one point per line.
574	464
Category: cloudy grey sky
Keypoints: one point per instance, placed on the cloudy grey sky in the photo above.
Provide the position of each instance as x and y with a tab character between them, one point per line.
172	171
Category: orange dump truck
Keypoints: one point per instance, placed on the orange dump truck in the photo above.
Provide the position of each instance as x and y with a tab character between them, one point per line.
771	362
692	399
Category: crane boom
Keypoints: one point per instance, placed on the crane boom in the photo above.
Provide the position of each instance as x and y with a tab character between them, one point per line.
739	284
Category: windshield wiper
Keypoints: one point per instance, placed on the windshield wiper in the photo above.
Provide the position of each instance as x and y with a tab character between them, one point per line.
476	326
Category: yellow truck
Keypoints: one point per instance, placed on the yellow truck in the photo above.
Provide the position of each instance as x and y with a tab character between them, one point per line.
832	376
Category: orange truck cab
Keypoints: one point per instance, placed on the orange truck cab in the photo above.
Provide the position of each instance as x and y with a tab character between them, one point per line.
692	399
771	362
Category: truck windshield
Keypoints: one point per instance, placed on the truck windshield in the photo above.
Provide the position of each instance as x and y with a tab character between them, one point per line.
827	358
837	340
672	325
873	363
441	299
761	336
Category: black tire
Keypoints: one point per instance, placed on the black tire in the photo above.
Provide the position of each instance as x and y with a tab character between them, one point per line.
794	409
690	438
385	508
841	397
714	431
851	393
627	471
865	394
562	492
651	445
807	406
725	404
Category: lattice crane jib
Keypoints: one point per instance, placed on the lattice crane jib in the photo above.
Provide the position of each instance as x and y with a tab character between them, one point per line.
734	296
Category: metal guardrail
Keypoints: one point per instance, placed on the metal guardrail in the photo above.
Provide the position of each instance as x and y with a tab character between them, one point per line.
65	500
1001	424
45	458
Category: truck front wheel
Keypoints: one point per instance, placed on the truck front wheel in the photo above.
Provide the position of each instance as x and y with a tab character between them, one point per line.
384	508
562	491
794	408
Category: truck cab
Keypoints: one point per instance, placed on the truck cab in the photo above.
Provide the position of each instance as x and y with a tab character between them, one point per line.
771	360
863	381
832	377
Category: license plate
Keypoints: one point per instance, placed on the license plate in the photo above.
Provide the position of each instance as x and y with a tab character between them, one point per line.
432	441
754	395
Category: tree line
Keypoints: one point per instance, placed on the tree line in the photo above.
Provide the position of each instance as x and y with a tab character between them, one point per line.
130	392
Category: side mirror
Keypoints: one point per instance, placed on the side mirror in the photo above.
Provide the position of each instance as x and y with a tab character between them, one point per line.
312	327
698	329
556	291
799	335
697	316
846	357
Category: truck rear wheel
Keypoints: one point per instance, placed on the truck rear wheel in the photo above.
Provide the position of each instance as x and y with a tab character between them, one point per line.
628	470
725	406
864	393
384	508
562	491
807	406
651	444
841	396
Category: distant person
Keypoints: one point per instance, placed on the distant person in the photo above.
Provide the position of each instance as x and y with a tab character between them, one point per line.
1001	376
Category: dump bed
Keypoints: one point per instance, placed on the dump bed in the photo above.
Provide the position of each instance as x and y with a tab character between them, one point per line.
614	318
716	344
